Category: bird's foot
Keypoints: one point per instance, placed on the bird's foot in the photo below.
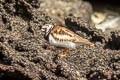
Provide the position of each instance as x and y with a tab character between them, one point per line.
64	54
61	55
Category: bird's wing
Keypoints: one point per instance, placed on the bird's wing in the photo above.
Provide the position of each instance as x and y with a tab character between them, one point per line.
64	34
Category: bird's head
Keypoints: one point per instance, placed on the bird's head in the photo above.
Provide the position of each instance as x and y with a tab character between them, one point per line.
47	28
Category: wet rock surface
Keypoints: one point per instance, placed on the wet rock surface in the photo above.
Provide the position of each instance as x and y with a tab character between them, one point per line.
26	55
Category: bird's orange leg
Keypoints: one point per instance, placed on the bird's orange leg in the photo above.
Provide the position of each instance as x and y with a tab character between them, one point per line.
66	50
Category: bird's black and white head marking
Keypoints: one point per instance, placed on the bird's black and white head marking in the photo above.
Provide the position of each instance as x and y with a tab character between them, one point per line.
47	28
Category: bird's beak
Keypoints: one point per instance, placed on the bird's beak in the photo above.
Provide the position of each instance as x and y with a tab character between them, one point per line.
43	30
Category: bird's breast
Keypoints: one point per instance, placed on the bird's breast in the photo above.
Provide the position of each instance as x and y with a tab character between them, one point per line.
57	42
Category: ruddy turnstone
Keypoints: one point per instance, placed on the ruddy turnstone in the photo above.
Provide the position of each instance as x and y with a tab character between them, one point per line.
63	37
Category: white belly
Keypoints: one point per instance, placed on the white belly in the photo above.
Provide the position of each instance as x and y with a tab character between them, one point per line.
66	44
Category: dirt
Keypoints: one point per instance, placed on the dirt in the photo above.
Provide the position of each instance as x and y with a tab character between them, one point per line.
26	55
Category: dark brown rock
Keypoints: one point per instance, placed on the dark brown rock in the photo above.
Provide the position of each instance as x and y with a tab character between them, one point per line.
79	25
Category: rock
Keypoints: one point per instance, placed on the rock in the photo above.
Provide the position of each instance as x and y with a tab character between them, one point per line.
59	9
78	24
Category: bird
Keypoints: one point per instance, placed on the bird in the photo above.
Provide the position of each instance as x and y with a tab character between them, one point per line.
63	38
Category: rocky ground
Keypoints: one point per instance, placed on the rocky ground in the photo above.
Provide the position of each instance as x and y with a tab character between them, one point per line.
26	55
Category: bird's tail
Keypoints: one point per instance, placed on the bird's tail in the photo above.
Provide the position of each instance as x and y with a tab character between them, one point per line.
85	41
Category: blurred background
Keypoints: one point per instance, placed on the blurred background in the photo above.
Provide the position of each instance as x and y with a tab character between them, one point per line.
102	14
106	14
